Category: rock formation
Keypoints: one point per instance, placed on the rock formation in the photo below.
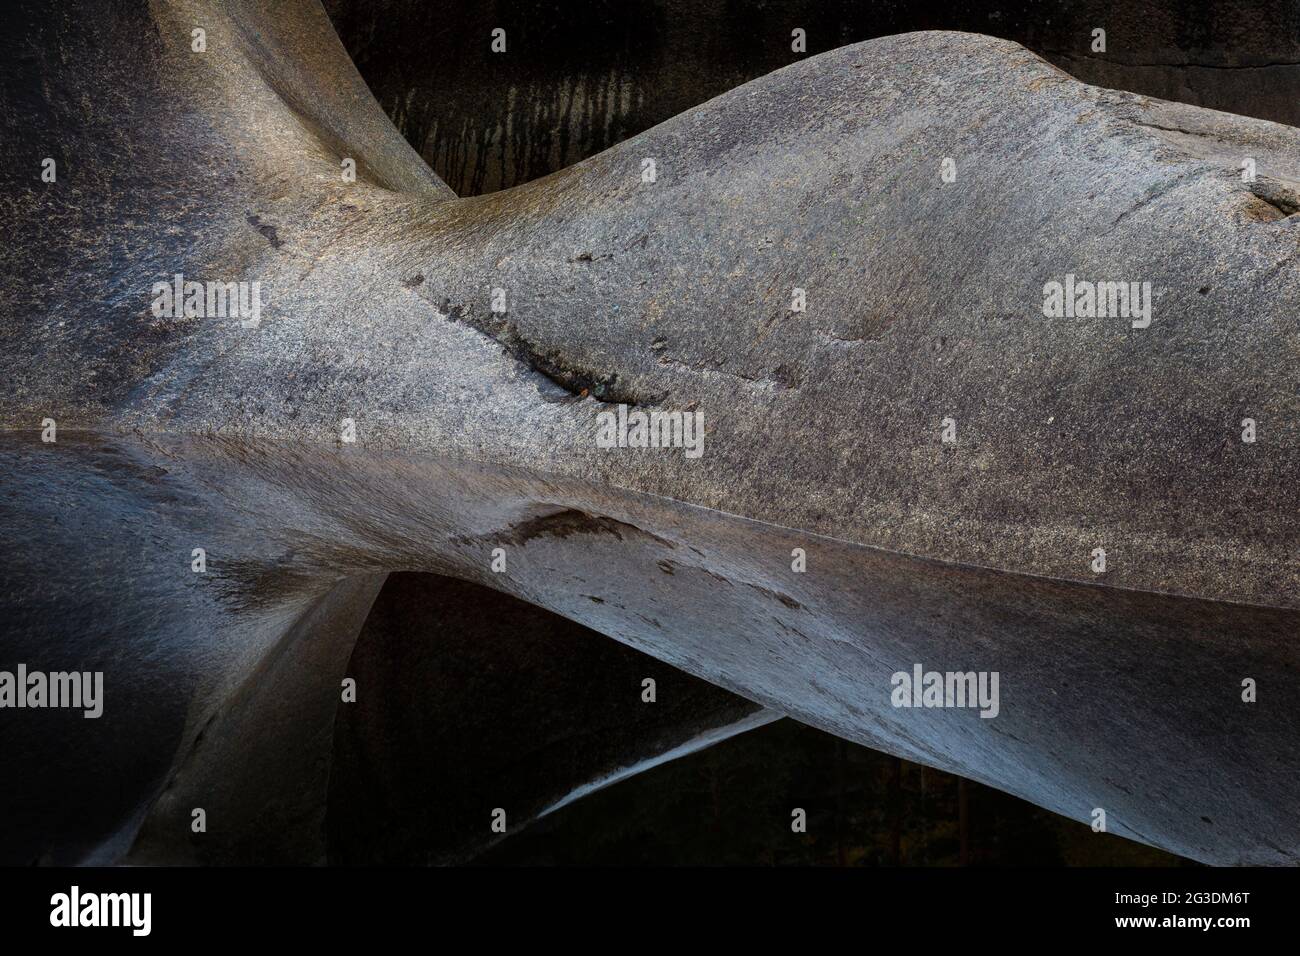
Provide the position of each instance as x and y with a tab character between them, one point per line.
424	379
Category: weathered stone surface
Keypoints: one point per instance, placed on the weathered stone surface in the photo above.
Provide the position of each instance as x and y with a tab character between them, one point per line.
476	429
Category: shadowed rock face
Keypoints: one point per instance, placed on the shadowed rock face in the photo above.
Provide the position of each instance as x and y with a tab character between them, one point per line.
579	76
465	700
475	428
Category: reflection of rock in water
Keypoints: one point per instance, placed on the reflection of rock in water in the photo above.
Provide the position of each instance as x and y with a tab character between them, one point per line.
1110	696
731	804
581	75
475	700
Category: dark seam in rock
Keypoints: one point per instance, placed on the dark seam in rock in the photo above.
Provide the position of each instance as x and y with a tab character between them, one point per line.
1150	197
266	230
567	522
1284	200
580	383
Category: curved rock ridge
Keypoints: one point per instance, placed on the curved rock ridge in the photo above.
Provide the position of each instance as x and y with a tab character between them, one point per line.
1113	699
580	75
427	377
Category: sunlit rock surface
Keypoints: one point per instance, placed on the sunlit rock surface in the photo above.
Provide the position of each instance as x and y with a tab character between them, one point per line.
475	429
